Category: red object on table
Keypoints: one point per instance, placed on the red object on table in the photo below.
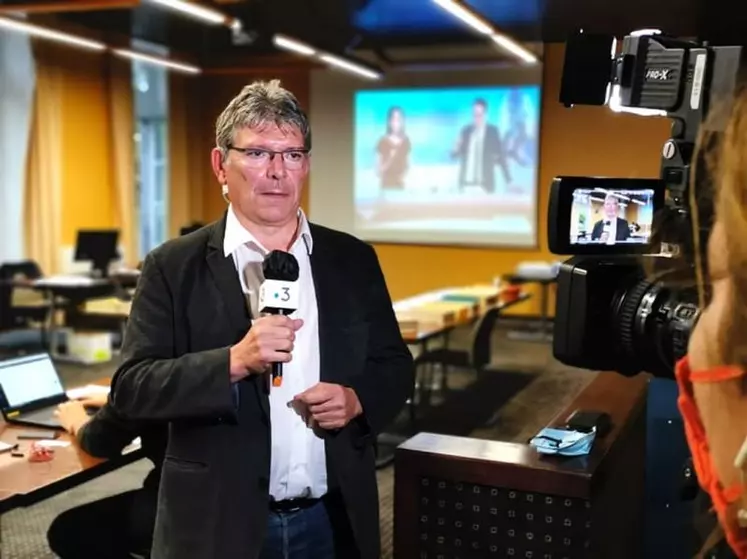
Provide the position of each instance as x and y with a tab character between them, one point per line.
39	453
510	293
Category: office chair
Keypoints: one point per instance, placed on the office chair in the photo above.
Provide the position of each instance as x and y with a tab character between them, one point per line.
477	357
22	314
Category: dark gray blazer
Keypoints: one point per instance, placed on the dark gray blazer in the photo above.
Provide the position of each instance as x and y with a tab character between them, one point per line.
188	310
622	230
493	154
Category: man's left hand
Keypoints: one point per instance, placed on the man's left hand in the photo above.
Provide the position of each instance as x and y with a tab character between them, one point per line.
332	406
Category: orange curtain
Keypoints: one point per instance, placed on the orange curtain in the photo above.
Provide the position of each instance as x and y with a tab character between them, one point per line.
43	197
189	153
121	132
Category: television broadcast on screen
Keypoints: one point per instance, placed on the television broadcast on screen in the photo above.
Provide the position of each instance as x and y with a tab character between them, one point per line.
459	161
611	217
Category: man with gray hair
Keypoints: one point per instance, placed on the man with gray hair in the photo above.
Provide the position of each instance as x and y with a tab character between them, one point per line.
254	471
611	228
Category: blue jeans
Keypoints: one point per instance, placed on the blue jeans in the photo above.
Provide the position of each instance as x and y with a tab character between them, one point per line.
316	532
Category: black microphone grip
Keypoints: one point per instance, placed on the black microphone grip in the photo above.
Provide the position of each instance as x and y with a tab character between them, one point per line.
277	374
277	368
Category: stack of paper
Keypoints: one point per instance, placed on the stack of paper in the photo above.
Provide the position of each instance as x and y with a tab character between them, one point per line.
483	296
408	327
442	313
87	391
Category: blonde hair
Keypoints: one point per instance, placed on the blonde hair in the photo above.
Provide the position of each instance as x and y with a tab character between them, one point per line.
723	180
725	158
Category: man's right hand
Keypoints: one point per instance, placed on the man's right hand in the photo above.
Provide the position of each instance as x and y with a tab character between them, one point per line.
269	340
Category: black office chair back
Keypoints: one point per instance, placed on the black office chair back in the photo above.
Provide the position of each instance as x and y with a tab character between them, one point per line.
26	268
9	271
6	294
482	334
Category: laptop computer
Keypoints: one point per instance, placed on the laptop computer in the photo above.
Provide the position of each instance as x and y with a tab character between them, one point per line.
30	390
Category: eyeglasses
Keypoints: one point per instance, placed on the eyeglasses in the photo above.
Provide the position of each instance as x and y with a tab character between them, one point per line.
259	157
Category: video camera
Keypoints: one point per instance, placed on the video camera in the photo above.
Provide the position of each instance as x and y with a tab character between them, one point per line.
627	300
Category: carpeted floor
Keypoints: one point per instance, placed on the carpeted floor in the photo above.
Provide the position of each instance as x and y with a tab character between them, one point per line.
524	390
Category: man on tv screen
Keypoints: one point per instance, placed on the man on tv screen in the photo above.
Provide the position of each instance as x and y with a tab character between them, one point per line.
611	228
479	148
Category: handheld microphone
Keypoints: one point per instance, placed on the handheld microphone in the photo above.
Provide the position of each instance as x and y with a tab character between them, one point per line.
278	293
608	229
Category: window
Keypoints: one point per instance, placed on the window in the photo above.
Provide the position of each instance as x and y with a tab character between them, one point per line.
150	85
17	78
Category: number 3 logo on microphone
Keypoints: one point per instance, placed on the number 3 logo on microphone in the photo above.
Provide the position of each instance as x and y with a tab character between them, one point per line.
278	295
282	295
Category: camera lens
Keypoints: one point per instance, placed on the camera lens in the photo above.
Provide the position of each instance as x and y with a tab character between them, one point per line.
623	314
653	323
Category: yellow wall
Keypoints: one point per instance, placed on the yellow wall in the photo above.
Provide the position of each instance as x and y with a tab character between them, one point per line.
631	213
88	197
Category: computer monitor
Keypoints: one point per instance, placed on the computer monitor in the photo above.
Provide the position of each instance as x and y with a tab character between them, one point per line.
98	247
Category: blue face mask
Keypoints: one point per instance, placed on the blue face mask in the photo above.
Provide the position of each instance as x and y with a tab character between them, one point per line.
563	441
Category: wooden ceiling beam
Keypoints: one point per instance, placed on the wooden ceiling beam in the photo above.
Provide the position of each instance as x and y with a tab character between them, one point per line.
56	6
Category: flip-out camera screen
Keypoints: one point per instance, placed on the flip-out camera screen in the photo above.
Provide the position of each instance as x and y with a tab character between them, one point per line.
600	215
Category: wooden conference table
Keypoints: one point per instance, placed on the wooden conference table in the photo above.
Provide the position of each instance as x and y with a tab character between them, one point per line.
23	483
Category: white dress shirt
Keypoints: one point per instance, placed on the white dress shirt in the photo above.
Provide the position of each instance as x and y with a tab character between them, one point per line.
611	230
298	465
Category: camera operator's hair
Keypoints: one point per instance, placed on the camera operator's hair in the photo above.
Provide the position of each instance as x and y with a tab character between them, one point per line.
722	156
725	158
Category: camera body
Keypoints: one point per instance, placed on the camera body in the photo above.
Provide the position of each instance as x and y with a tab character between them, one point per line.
627	299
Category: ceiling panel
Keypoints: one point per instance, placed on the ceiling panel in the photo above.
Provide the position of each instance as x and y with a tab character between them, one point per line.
153	24
386	17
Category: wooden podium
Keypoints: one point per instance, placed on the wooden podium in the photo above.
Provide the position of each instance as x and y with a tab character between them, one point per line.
465	498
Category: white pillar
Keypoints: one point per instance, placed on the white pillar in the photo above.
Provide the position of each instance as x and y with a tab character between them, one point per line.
17	78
